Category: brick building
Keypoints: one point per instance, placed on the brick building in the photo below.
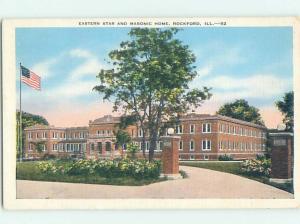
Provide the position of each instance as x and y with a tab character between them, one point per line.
203	137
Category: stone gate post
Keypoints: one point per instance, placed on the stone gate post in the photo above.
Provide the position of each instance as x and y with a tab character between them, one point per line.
170	157
282	157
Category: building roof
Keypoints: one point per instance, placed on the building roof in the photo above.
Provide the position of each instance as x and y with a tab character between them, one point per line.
77	128
194	116
43	127
107	119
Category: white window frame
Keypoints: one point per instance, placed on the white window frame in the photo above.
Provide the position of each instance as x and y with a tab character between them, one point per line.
192	143
180	145
220	146
205	157
30	147
192	157
205	143
192	131
29	135
205	128
140	133
179	129
44	148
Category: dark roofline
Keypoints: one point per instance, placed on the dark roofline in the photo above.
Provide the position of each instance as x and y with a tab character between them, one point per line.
190	117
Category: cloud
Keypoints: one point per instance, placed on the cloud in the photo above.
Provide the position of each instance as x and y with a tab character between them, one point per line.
91	66
80	53
253	86
205	71
43	68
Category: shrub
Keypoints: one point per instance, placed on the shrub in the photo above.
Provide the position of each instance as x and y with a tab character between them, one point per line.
257	167
225	157
132	149
138	169
260	156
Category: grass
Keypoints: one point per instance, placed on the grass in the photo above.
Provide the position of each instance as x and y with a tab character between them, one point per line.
30	171
234	167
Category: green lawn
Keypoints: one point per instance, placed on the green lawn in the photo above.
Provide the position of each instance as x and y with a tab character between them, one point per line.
235	168
30	171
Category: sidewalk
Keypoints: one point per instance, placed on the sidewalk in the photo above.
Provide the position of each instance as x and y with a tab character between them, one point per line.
201	183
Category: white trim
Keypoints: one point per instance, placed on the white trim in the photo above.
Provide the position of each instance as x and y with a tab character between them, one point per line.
192	141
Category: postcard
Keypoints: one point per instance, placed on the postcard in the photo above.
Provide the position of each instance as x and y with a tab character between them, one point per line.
151	113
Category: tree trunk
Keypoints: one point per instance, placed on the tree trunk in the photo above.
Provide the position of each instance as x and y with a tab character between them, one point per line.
153	144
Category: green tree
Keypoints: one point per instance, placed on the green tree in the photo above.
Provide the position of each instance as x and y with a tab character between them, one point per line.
39	146
28	120
150	79
286	107
122	137
240	109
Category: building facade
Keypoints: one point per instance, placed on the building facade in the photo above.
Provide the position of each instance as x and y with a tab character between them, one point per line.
203	137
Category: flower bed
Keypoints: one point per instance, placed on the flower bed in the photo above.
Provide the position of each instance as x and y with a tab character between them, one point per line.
257	167
138	169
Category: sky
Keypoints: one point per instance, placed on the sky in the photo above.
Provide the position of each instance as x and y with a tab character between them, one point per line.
238	63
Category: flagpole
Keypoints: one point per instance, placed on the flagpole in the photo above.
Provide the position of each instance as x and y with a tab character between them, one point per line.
20	122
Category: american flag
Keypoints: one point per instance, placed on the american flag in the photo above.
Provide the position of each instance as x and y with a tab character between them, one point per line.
30	78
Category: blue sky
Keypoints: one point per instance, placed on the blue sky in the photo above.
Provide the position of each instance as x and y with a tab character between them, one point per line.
250	63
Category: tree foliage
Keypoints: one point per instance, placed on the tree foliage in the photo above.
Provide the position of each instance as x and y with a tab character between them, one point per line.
122	137
28	120
150	79
240	109
286	107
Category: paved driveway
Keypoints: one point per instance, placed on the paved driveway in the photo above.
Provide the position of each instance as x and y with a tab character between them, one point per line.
202	183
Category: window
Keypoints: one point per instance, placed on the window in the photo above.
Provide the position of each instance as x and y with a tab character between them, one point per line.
81	135
140	133
234	130
223	128
263	147
206	128
54	147
44	147
180	157
55	135
192	128
229	145
180	145
205	157
158	146
242	131
147	146
220	128
179	129
44	135
206	145
192	157
220	146
192	145
37	135
30	147
99	147
29	135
